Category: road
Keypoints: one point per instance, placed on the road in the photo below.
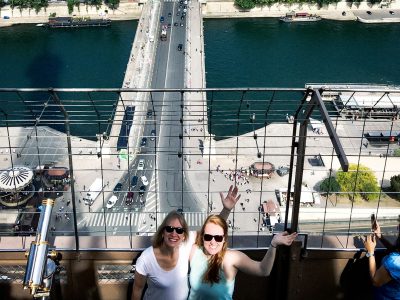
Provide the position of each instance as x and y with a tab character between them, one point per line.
169	73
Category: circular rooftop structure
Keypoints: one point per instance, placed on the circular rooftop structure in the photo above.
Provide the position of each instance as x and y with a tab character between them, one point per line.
262	169
15	179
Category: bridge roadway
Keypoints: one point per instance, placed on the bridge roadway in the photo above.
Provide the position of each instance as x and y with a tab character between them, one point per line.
159	64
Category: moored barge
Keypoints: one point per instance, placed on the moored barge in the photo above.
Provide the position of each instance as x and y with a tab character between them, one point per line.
64	22
299	17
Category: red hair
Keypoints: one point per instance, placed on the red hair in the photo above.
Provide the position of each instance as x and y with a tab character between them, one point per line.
215	262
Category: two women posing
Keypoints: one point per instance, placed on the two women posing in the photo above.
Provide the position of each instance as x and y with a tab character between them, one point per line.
213	267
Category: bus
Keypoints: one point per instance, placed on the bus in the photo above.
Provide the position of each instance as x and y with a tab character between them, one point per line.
93	192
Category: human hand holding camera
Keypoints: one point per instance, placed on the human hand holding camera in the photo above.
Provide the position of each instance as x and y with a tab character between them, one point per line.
375	228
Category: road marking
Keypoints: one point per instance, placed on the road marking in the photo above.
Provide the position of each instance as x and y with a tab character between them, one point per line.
194	219
115	219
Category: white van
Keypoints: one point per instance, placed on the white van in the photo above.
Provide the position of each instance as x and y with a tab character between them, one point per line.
141	165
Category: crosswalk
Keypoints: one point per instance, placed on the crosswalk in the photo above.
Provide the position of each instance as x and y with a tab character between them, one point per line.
113	219
143	220
193	219
116	219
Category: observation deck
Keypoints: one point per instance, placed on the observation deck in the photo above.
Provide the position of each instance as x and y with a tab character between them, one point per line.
102	243
142	150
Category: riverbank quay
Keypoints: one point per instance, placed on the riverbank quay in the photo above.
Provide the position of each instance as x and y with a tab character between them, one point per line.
230	159
125	11
378	16
341	11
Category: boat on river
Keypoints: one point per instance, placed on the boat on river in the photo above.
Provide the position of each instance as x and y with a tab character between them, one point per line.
299	17
63	22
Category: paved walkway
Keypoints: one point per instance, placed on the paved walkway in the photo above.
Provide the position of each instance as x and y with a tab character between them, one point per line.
195	110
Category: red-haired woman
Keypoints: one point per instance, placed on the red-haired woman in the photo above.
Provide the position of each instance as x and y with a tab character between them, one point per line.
213	267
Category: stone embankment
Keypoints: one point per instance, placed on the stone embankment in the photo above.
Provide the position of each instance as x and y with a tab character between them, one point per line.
227	9
125	11
210	9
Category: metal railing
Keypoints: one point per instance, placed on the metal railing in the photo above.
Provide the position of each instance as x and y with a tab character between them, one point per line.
248	138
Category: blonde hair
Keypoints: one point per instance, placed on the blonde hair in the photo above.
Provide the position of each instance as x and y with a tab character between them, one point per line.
158	237
215	262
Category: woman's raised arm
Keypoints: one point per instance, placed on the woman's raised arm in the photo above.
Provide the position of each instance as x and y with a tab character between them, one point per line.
229	201
262	268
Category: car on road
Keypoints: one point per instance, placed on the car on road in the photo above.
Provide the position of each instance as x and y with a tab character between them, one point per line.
175	24
181	24
140	166
182	17
178	13
149	114
153	135
282	171
111	202
129	198
134	181
117	188
143	143
169	25
162	19
144	180
142	190
180	46
169	14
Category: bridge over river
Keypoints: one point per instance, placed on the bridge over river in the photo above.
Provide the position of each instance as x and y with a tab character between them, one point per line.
159	64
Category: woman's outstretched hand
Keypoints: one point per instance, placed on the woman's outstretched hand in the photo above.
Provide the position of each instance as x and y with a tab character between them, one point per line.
231	198
283	238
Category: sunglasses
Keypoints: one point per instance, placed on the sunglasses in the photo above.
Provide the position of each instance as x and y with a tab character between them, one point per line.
178	230
209	237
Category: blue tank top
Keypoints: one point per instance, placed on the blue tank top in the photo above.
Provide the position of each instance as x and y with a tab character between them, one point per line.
390	290
200	290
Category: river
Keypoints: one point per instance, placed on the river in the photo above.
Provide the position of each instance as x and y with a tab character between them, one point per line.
250	52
